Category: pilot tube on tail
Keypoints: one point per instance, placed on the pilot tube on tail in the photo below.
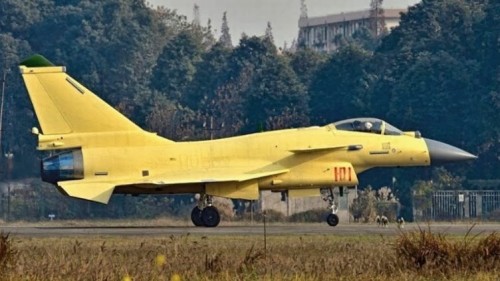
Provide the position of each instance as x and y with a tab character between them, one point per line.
64	166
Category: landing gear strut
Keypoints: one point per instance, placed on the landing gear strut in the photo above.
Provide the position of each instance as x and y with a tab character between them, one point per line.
332	219
204	214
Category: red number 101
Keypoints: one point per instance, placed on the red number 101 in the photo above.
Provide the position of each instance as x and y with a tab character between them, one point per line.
342	173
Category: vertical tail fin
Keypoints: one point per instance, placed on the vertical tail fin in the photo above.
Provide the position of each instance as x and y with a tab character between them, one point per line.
63	105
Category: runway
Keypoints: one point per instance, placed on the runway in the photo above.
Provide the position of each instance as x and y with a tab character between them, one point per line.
255	229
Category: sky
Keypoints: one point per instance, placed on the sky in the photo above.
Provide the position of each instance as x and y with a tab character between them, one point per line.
251	16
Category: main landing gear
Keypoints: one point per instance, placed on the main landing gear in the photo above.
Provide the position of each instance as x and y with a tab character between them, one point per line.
204	214
332	219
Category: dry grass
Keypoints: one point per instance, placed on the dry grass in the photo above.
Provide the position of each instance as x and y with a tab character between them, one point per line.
308	257
7	254
432	253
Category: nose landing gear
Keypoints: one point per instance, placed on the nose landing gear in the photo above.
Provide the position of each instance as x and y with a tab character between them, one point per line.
332	219
204	214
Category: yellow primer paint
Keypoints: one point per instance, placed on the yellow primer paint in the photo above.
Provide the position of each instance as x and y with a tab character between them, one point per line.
120	157
297	193
248	190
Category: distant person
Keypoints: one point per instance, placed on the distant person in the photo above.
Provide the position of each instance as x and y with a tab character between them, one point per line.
401	222
384	220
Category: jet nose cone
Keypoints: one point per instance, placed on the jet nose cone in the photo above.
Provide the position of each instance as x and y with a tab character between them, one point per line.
440	152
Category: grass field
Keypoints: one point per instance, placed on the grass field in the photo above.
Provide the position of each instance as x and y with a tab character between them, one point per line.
419	255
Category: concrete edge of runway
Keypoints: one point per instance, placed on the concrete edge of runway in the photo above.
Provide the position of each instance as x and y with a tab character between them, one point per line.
45	229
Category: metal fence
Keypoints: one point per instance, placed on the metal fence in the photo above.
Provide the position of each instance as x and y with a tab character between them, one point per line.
458	205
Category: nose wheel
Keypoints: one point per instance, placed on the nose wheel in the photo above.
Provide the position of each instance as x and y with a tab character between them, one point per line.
204	214
332	219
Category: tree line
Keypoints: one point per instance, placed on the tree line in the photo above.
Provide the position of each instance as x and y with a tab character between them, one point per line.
437	72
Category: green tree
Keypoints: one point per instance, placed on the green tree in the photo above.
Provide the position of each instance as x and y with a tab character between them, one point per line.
488	54
437	87
429	77
342	86
16	114
428	27
170	119
364	38
377	18
269	32
306	64
103	42
19	17
211	73
196	15
211	93
225	37
175	68
274	97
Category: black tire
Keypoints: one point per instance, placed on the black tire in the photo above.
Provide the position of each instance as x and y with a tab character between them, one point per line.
332	219
210	216
196	216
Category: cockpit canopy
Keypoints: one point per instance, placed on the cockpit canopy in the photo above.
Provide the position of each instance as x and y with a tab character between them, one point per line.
368	125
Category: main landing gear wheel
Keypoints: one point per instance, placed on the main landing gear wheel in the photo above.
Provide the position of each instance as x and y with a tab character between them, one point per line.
210	216
204	214
196	216
332	219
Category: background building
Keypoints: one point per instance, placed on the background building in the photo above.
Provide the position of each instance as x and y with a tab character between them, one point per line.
323	33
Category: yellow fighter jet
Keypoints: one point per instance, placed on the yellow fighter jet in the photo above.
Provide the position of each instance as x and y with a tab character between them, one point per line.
104	153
